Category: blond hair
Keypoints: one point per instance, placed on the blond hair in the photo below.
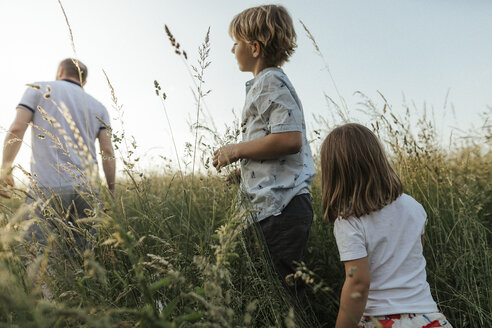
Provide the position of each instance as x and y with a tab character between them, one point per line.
271	26
356	178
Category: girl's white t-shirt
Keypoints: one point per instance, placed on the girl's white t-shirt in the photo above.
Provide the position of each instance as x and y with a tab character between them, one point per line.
391	240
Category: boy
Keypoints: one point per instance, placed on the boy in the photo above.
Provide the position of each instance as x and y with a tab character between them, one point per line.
277	168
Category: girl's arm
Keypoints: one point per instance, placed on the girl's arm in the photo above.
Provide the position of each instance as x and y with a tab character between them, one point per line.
354	293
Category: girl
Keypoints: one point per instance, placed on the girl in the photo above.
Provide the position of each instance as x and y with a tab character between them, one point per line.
379	233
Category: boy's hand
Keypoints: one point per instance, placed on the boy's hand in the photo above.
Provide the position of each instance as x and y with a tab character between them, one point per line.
225	155
234	177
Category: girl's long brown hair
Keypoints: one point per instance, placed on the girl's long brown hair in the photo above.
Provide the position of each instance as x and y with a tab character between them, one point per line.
357	178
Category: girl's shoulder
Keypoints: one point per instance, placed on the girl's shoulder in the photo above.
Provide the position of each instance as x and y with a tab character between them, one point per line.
404	205
405	209
411	203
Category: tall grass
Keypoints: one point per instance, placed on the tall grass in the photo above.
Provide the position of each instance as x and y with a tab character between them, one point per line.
153	267
163	258
173	250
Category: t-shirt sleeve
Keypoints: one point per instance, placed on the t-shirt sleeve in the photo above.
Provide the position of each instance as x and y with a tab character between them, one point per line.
424	215
30	99
278	107
103	119
350	239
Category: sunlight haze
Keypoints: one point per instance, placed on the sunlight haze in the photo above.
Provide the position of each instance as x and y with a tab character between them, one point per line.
420	49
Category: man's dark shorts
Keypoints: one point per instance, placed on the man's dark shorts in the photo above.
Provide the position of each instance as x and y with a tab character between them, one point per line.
59	210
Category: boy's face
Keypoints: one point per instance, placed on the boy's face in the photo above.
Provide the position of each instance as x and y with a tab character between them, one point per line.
245	55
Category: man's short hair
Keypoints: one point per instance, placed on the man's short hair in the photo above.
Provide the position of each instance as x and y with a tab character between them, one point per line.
271	26
71	67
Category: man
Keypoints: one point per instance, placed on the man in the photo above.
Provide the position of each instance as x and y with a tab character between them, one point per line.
65	122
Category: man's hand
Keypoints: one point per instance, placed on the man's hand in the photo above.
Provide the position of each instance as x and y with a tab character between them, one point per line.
225	155
6	181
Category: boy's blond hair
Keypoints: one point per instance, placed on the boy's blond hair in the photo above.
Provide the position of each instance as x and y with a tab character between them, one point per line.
271	26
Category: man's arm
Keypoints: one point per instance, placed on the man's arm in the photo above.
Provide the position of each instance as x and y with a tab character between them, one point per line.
108	160
12	144
354	293
271	146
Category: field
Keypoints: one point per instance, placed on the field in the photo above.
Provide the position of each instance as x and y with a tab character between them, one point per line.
171	250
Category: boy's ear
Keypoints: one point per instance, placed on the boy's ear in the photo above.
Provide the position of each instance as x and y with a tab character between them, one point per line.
256	47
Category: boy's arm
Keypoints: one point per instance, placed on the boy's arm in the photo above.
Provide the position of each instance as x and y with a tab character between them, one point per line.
354	293
271	146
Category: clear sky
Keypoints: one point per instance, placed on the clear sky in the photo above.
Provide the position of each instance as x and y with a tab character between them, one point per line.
417	48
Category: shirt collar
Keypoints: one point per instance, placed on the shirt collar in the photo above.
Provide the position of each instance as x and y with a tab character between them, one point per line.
250	82
77	83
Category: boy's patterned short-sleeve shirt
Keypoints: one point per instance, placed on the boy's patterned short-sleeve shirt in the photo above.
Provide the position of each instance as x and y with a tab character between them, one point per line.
272	106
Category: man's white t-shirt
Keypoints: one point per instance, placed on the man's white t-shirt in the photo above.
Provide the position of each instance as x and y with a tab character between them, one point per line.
65	124
391	240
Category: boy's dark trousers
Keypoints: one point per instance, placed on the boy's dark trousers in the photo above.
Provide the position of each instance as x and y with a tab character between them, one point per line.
286	237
